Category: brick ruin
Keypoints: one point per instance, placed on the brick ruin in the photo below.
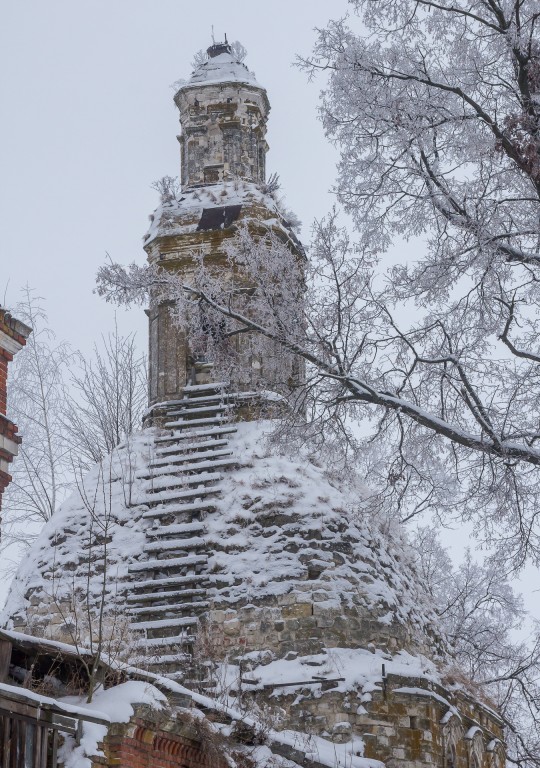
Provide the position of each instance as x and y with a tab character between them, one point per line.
203	500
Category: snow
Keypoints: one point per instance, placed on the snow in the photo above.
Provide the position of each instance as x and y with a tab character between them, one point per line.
76	529
182	216
414	691
351	669
53	645
260	559
157	642
189	422
168	608
164	481
205	460
162	623
171	509
276	516
174	449
224	68
493	744
199	433
169	530
173	495
72	710
360	668
197	388
348	755
182	543
114	705
161	565
171	581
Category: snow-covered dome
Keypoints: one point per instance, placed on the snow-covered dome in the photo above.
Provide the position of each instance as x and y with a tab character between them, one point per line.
214	520
223	66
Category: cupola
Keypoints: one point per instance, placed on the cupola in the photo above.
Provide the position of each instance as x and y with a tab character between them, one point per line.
223	114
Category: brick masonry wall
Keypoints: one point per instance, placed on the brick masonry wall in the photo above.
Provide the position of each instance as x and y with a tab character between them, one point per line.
223	132
169	350
153	741
413	729
5	357
408	723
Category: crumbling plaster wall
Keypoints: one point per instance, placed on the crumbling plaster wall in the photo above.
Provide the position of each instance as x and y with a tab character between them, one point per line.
224	127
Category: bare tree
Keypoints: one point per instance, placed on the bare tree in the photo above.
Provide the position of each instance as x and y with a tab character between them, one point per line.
108	396
87	597
426	371
481	617
36	401
436	112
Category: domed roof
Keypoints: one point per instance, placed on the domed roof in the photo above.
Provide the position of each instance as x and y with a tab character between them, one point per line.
222	66
278	535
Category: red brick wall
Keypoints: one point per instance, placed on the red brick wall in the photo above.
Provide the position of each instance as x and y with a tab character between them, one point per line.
144	747
9	429
5	357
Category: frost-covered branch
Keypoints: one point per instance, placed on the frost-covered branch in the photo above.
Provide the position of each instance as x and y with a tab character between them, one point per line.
458	418
480	614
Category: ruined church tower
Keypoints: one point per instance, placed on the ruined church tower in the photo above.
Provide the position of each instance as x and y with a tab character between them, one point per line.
223	116
239	568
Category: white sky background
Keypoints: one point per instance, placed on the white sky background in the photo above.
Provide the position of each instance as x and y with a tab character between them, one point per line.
88	123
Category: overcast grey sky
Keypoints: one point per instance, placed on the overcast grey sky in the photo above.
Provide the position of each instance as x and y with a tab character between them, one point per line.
89	122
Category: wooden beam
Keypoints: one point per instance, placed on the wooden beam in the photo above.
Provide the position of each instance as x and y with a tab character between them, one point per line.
5	659
7	743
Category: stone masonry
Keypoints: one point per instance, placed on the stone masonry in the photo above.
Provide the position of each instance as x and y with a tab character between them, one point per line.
223	115
241	558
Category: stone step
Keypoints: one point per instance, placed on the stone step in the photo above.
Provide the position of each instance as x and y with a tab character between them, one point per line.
198	433
165	664
197	579
168	482
165	564
183	423
185	451
195	389
174	608
170	469
190	455
172	594
200	400
176	495
184	621
198	407
166	642
175	545
176	529
165	510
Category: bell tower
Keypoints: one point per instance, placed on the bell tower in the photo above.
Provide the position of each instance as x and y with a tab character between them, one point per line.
223	116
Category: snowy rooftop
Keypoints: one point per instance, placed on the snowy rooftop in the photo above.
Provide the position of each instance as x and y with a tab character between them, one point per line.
250	557
183	215
222	66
